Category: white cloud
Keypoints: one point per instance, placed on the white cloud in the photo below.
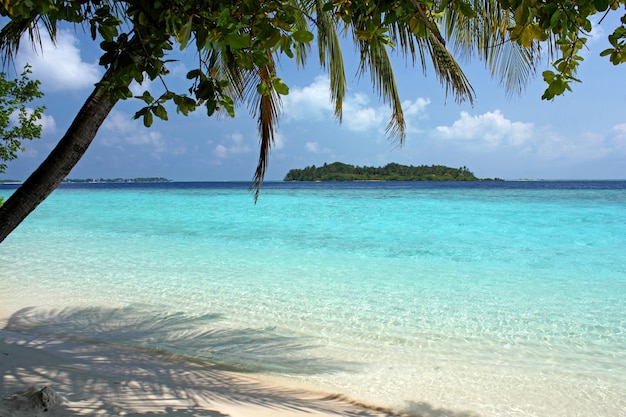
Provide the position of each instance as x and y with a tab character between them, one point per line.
415	108
620	130
359	117
120	129
491	129
220	151
617	136
236	137
312	103
314	147
234	145
48	124
583	147
59	66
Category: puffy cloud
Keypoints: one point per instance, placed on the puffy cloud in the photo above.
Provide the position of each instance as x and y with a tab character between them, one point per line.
359	117
312	103
313	147
308	103
236	137
59	65
617	136
583	147
619	130
316	148
234	145
491	129
220	151
415	108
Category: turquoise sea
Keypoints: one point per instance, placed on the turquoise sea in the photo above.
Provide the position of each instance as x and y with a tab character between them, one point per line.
435	299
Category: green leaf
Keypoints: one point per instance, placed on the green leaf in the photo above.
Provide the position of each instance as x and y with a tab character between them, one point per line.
601	5
548	76
147	119
262	88
280	87
363	35
205	90
272	40
238	41
108	33
521	15
229	105
146	97
140	113
194	73
185	34
211	106
160	112
303	36
143	19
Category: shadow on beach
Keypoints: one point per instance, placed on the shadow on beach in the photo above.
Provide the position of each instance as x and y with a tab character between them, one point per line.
108	362
195	336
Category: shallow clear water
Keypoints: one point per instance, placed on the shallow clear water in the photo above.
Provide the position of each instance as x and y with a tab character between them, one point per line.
483	299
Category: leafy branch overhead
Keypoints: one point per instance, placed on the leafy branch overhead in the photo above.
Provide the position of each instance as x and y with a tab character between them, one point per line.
566	27
17	121
237	43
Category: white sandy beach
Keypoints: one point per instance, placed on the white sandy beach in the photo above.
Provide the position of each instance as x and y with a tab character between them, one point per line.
104	380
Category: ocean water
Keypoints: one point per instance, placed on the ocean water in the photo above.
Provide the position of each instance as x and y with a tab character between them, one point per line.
433	299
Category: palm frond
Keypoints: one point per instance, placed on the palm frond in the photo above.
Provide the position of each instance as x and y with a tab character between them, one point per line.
448	71
12	33
301	23
487	35
266	108
406	43
330	56
376	61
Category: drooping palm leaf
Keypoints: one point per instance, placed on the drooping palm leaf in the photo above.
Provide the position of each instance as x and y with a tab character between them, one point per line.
487	35
266	108
375	60
330	55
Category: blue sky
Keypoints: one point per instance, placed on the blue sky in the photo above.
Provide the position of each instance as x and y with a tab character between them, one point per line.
579	136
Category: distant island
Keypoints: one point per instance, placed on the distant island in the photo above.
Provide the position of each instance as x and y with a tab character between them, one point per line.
98	180
108	180
338	171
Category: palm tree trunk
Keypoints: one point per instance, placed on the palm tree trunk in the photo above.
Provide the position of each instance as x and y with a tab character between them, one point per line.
70	149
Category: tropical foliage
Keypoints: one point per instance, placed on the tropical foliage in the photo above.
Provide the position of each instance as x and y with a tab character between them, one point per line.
338	171
17	121
567	26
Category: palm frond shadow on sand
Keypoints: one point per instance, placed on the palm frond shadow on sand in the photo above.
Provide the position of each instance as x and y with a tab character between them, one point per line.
80	356
195	335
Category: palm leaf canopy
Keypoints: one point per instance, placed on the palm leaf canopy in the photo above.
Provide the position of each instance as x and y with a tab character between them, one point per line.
238	43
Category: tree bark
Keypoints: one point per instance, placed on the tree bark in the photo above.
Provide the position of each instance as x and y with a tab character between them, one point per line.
70	149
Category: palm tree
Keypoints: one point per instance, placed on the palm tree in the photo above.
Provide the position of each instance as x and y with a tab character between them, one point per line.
237	65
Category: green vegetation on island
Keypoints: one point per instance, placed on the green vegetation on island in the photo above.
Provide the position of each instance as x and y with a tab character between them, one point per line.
338	171
107	180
